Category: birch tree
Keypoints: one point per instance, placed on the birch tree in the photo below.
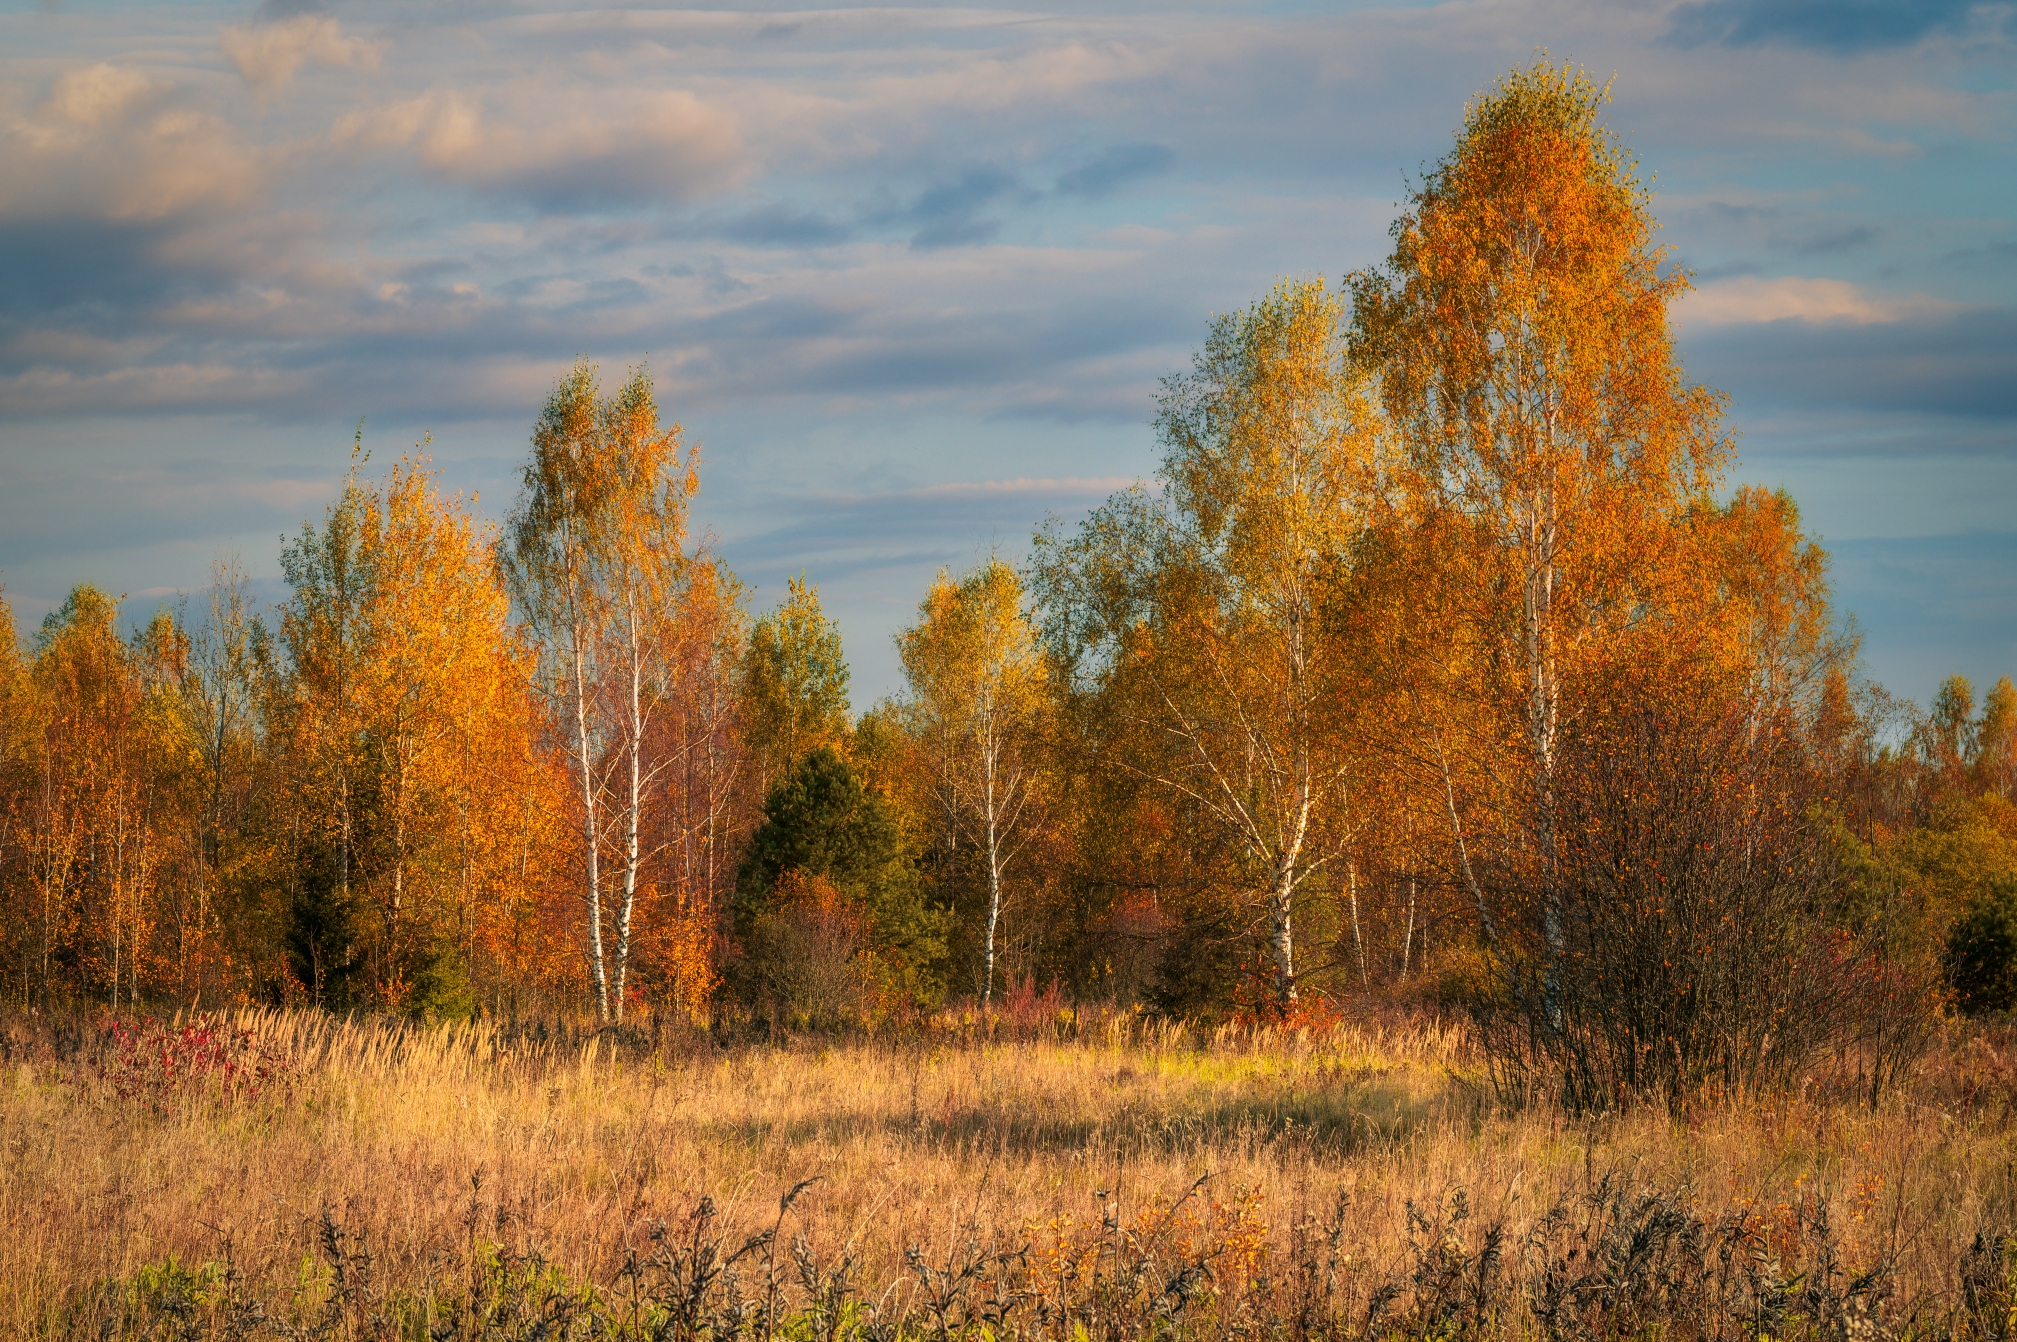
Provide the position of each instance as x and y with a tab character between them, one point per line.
323	634
794	685
408	721
1209	596
596	558
1522	344
979	687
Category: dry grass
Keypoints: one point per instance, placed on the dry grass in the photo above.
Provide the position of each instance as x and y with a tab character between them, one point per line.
421	1146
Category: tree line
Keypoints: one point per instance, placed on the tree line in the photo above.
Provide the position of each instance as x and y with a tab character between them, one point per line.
1437	658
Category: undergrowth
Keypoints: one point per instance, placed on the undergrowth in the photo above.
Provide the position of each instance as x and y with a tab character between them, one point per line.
1622	1260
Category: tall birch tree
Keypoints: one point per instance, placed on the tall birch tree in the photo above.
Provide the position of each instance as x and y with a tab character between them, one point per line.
1208	596
596	558
1520	332
979	688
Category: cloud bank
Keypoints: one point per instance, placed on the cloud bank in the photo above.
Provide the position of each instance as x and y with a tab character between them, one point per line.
873	253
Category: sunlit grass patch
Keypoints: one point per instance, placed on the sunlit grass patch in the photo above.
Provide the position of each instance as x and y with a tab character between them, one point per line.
516	1176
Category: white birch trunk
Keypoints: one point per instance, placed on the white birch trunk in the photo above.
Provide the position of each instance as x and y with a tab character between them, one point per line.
1408	940
1281	930
633	803
1358	935
585	758
994	865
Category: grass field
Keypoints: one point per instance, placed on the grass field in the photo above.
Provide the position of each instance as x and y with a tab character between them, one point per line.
486	1180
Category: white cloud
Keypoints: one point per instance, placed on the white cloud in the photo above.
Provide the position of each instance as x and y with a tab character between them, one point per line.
268	56
558	145
1749	299
113	142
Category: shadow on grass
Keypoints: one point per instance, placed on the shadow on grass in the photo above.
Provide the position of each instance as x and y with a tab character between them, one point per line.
1338	1120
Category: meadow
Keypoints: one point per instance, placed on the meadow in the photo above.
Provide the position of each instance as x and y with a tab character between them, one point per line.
1026	1173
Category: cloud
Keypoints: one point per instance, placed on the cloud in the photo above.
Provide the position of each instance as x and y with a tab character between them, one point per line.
562	150
781	226
959	230
1957	364
1115	168
113	142
150	500
267	57
949	211
848	534
1826	25
1837	240
1749	299
59	264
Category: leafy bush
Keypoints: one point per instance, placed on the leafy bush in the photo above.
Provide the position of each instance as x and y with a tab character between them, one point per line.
437	985
151	1062
1197	974
1982	950
807	956
821	822
1667	926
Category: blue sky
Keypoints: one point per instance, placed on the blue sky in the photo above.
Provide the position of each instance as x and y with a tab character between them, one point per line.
910	274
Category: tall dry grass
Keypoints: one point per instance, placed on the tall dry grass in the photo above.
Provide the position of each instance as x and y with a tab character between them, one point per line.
1371	1155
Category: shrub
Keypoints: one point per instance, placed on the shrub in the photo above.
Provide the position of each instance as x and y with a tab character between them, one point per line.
149	1062
437	985
807	956
1982	950
1689	883
1198	972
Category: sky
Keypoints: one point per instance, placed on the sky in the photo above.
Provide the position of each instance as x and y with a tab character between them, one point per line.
909	275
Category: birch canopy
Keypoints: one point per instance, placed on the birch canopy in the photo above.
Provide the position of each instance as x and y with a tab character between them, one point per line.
598	561
979	692
1521	339
1202	603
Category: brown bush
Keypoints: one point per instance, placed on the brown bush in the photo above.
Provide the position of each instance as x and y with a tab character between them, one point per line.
808	963
1692	886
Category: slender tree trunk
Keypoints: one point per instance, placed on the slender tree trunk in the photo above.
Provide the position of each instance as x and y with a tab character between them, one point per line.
1282	884
392	923
1358	935
1543	714
1281	899
343	836
1491	929
114	1004
993	877
1408	940
632	806
586	760
1281	932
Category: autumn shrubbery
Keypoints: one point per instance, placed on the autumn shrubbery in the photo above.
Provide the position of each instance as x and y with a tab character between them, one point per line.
1675	924
1982	949
831	927
806	958
150	1063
